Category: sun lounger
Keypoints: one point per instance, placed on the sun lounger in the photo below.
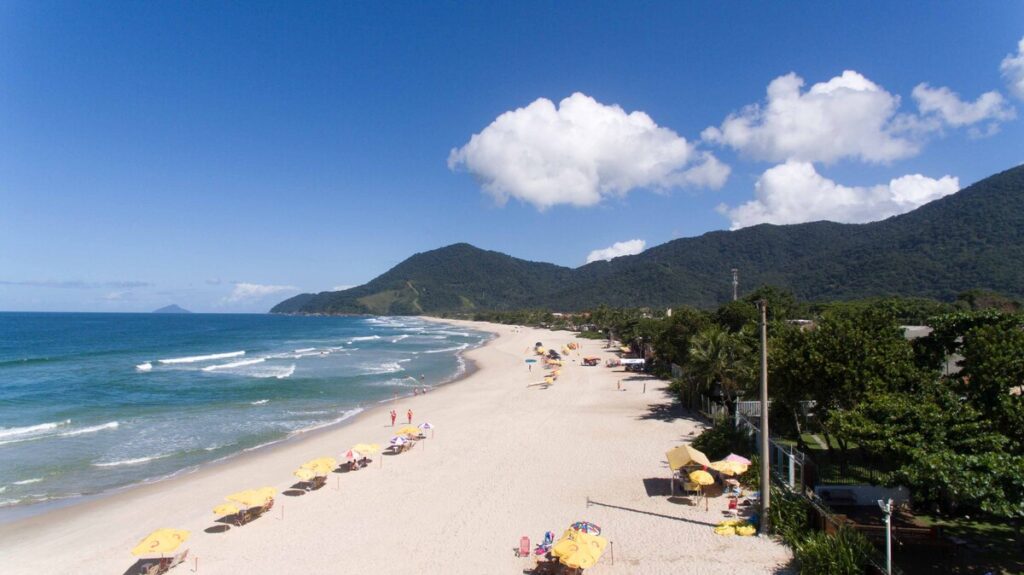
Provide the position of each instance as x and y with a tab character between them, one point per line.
165	564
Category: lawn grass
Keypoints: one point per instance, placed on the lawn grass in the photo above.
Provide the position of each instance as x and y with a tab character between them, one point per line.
993	544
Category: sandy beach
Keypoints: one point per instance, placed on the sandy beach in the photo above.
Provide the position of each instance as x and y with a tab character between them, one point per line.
507	459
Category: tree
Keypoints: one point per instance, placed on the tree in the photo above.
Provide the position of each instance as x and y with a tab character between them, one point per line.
993	376
851	355
717	356
673	340
734	315
782	303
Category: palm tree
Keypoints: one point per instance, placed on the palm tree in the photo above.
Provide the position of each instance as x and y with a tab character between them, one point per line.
718	356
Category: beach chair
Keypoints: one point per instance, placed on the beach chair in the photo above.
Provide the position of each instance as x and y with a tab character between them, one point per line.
691	490
524	547
733	509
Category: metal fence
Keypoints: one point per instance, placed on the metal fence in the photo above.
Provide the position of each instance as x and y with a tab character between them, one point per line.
787	466
786	463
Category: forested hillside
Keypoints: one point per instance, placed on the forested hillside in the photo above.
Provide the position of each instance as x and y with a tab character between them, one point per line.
971	239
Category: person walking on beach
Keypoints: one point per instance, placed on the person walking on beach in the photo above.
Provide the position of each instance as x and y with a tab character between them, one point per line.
409	415
394	416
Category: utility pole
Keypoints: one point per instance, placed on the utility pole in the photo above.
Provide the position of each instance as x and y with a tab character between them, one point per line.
762	306
735	283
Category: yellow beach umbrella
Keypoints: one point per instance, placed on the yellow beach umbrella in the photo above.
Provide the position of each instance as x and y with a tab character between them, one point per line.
267	493
247	498
366	448
685	455
579	550
726	467
305	473
549	380
160	541
408	430
321	466
225	509
701	477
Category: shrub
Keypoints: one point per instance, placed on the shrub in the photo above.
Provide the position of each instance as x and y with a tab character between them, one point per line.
845	553
722	439
789	516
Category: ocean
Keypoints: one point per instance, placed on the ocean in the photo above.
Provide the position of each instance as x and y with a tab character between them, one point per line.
91	402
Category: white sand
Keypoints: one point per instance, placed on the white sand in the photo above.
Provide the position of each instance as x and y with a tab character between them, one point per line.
507	460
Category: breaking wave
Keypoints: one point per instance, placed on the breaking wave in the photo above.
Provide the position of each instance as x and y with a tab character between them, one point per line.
135	461
456	348
235	364
93	429
198	358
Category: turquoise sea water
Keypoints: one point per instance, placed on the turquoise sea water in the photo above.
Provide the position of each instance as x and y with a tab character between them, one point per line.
92	402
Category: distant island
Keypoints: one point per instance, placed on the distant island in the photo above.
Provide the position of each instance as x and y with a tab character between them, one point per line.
173	308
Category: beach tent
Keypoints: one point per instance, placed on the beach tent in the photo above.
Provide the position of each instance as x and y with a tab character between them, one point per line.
686	455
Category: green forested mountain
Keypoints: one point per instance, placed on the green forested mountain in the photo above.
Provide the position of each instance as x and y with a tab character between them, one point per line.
971	239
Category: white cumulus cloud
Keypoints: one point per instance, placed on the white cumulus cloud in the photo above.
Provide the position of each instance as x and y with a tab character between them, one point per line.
249	291
342	287
848	116
946	105
627	248
579	153
794	192
1012	68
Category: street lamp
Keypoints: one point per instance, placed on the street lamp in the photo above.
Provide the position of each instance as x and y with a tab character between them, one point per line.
886	507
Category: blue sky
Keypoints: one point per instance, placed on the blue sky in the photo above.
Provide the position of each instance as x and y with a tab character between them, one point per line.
225	156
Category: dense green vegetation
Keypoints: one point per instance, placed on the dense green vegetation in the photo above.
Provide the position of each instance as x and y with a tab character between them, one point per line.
972	240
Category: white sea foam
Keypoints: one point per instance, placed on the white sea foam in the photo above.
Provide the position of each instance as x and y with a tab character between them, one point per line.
93	429
135	461
242	363
255	447
144	366
259	402
364	338
399	338
30	430
345	415
305	350
386	367
3	488
265	371
397	382
198	358
28	481
453	333
456	348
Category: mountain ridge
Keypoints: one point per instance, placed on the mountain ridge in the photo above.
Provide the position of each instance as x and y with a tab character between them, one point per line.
971	239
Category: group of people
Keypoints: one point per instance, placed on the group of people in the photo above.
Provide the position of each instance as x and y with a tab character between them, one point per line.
394	416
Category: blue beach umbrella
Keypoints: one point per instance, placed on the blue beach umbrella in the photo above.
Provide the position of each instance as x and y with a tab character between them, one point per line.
531	361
